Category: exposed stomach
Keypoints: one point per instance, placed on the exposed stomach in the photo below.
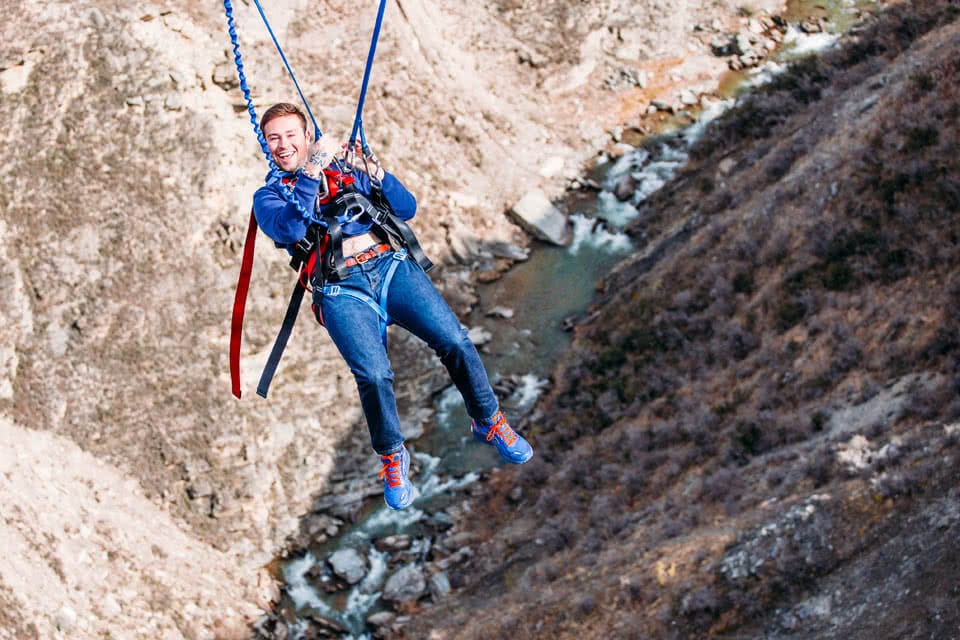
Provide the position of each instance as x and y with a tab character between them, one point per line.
355	244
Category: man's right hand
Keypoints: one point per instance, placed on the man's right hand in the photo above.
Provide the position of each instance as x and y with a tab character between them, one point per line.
319	155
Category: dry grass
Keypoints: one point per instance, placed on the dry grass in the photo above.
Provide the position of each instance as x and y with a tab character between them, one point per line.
698	405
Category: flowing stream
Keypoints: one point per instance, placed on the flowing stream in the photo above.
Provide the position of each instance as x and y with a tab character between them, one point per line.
533	299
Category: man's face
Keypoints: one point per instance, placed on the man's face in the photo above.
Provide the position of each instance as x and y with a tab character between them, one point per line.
287	141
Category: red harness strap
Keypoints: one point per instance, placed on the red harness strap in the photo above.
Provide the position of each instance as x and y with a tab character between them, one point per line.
307	271
311	265
240	302
334	179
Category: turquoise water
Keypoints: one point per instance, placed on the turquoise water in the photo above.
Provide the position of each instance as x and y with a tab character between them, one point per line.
555	284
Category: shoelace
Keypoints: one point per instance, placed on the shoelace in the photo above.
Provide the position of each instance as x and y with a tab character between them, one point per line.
391	470
502	429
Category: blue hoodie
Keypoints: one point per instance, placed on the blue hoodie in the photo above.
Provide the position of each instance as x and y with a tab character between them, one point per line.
286	226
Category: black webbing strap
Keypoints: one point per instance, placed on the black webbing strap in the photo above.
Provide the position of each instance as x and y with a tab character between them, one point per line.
387	220
334	254
303	250
396	226
289	319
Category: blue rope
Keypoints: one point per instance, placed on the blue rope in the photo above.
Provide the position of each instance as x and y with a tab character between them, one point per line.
274	169
316	127
357	122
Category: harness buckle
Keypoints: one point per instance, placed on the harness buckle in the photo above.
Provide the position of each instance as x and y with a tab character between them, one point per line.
401	255
362	257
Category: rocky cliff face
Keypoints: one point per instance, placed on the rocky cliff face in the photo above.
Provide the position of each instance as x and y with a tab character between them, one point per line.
125	190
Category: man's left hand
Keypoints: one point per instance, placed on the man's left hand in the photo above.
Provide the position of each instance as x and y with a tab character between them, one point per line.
368	160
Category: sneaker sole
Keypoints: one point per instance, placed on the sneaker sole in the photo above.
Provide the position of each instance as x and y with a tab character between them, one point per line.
402	506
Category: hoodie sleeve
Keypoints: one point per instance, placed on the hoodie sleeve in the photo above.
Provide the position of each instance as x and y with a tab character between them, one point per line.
403	203
279	218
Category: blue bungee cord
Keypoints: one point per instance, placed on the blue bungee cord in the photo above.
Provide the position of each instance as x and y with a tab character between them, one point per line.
357	121
275	172
276	43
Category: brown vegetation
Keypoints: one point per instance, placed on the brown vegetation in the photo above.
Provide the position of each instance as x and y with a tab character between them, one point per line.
689	479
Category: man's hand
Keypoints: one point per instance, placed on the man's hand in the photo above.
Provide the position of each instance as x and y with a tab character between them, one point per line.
370	163
319	155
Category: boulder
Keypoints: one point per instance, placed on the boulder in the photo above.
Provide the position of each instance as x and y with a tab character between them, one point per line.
405	585
499	312
626	187
439	585
381	619
394	543
540	218
479	336
349	565
509	251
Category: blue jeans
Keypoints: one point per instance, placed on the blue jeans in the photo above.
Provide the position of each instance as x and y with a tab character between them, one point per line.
414	304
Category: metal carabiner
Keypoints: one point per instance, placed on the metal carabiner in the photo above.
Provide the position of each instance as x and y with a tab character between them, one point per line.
349	155
369	157
324	192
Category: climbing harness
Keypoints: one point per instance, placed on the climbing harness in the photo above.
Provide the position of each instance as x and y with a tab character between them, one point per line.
380	308
324	235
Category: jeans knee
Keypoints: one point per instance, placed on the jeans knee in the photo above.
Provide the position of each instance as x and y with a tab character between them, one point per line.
455	346
374	378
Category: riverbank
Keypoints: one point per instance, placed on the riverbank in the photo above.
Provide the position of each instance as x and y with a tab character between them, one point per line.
757	421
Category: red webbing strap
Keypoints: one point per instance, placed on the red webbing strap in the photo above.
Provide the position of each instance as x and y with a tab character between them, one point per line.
240	302
307	271
311	265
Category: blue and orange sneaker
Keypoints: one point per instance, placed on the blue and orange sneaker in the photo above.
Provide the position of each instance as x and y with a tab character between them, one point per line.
510	445
397	489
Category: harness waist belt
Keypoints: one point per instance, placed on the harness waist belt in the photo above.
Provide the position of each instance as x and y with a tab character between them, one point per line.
369	254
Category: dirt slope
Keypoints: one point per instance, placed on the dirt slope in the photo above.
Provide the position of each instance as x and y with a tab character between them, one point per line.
755	434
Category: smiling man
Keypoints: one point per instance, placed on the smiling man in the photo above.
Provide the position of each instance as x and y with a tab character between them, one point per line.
288	142
365	279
